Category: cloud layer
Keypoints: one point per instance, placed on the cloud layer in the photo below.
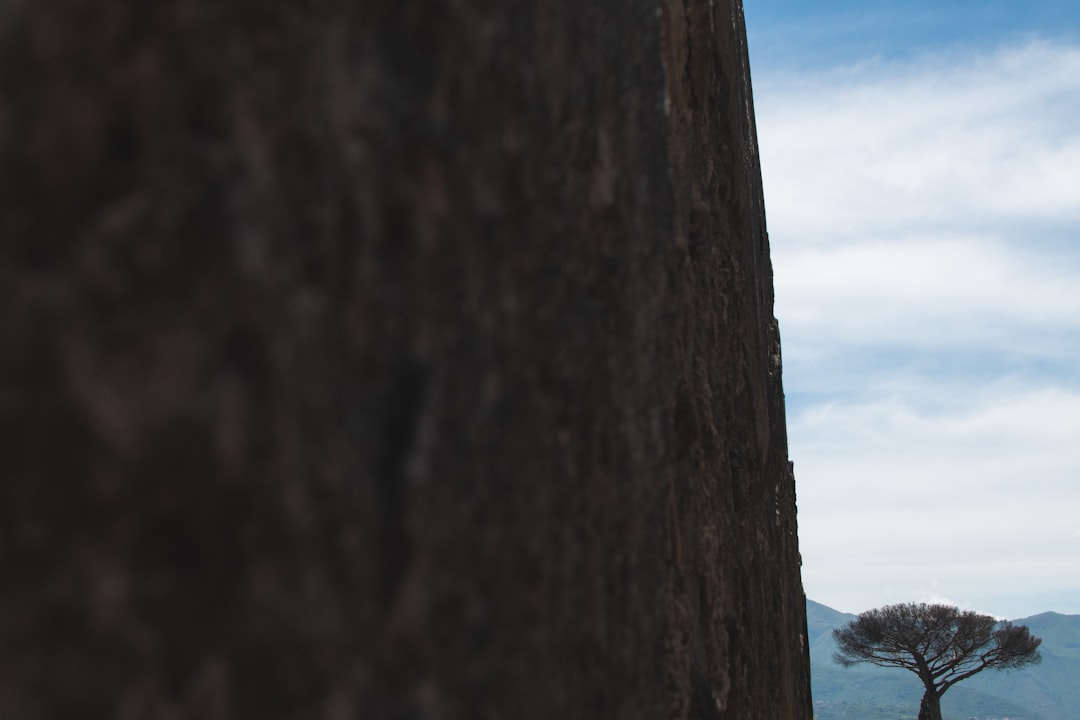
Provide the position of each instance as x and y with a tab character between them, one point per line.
925	225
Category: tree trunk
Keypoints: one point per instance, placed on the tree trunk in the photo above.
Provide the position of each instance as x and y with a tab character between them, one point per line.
930	709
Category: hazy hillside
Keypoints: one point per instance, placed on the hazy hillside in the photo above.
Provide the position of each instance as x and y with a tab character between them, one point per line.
1048	691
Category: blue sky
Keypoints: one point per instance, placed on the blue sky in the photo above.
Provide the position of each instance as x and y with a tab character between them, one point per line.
921	163
821	33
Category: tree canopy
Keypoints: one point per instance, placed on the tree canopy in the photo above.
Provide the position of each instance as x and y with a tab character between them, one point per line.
941	644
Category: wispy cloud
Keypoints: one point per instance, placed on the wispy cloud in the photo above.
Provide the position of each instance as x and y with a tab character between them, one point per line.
925	225
939	143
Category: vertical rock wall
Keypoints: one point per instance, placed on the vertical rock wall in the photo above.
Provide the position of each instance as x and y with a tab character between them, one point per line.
389	359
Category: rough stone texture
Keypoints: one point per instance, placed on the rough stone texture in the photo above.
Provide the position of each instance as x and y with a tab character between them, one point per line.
389	359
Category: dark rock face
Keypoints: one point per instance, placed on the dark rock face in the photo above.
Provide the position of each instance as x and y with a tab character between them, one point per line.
389	359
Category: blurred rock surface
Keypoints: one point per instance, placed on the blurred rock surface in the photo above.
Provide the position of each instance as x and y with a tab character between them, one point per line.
389	359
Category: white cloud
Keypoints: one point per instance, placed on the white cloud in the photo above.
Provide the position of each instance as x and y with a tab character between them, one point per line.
952	290
925	228
984	496
880	150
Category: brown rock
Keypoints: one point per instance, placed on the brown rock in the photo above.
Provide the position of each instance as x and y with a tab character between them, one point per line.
389	359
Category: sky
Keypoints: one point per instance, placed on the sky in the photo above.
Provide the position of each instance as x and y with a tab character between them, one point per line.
921	167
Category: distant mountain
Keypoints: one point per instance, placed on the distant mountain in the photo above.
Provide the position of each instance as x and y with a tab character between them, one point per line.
1047	691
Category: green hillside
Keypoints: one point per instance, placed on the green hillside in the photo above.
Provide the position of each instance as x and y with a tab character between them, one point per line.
1048	691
